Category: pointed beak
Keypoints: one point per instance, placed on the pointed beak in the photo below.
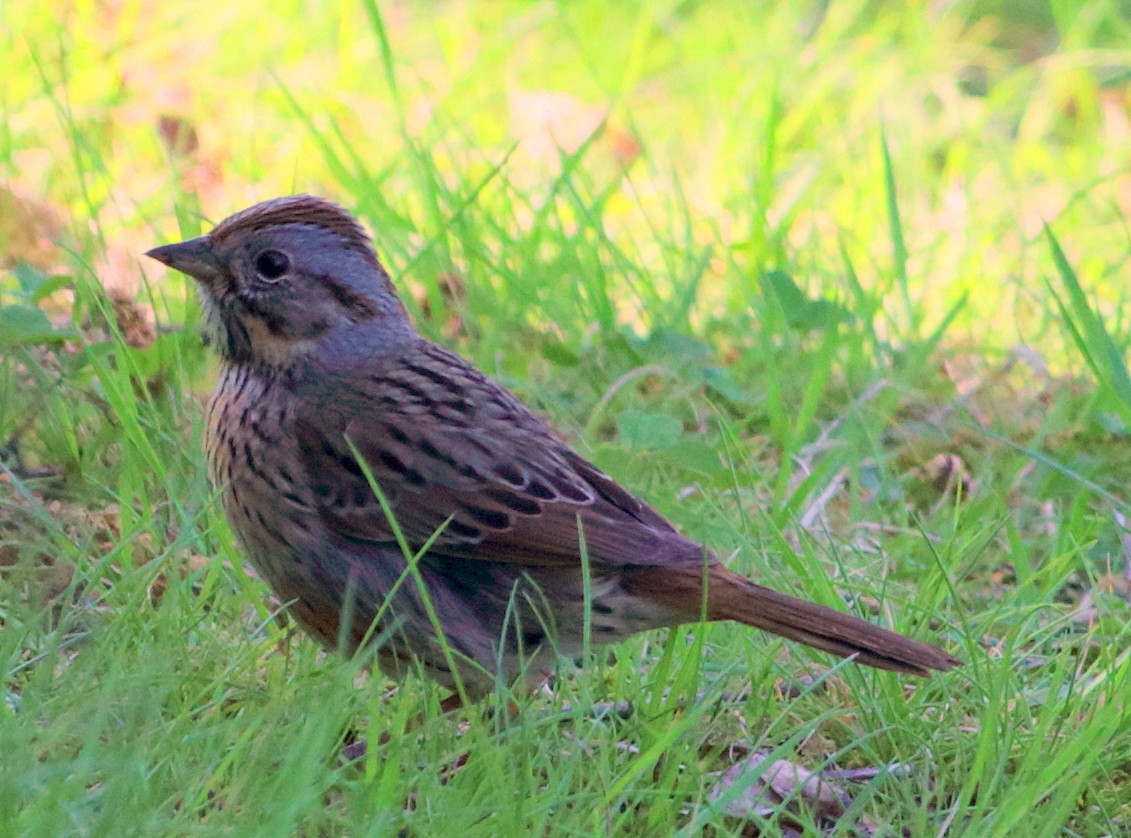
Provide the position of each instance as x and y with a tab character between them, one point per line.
194	257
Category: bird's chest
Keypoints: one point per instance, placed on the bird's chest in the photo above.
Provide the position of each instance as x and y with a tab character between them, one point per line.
254	463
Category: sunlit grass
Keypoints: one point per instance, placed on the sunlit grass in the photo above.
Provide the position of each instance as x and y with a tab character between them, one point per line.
769	267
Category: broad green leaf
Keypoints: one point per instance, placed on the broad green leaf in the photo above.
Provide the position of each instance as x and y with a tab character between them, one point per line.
801	312
694	454
677	345
22	325
35	285
50	285
645	430
560	354
722	382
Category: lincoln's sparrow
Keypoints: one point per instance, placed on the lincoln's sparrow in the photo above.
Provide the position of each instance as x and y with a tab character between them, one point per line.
327	391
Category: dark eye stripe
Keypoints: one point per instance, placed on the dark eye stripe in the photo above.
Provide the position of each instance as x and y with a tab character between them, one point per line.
356	306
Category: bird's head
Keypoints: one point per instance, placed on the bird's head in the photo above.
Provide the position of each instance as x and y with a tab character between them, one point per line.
282	277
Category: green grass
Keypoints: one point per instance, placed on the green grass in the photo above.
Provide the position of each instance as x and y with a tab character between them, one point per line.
763	265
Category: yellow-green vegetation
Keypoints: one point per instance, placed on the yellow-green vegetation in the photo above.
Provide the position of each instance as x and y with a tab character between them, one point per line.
839	287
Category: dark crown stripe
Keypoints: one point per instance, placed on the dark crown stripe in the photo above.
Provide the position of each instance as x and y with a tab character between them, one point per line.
299	209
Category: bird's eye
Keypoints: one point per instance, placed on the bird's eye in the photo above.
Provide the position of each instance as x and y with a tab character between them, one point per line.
272	264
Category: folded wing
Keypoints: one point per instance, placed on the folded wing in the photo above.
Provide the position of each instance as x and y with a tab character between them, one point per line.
451	449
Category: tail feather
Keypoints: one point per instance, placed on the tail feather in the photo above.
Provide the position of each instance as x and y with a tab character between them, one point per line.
733	597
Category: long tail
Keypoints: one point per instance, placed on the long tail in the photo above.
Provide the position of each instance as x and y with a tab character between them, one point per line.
733	597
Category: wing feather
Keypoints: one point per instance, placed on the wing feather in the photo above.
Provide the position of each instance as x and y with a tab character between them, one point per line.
450	448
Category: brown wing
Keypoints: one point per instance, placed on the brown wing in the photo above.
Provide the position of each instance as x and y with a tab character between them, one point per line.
449	447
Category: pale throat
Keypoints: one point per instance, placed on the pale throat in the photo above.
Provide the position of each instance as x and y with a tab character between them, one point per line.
271	350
